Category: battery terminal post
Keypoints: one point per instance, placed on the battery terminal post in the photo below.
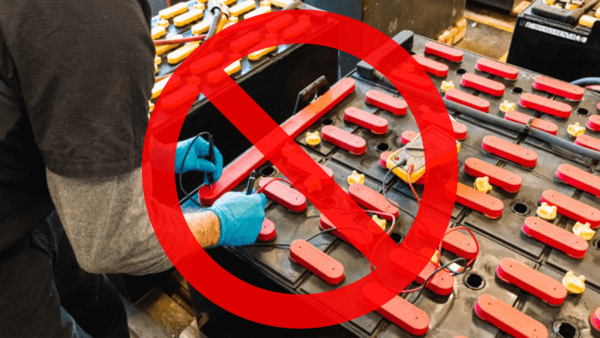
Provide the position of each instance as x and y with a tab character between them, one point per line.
547	212
507	106
446	85
575	130
583	230
482	184
313	139
356	178
574	284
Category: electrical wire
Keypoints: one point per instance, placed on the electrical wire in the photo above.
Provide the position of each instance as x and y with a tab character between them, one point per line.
187	152
428	279
179	41
587	81
215	22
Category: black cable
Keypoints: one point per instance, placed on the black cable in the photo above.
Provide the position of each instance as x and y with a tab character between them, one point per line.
181	168
587	81
320	233
438	270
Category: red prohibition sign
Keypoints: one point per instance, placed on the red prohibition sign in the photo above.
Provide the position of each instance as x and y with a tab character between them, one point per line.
396	265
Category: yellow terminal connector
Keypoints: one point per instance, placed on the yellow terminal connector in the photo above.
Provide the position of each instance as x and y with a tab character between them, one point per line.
150	106
313	139
162	23
200	27
571	6
158	32
173	11
507	106
356	178
265	3
242	8
446	85
549	2
233	68
281	3
259	11
574	284
380	221
183	52
157	60
435	258
482	184
189	17
546	211
228	2
234	19
575	130
199	6
597	14
583	231
587	20
259	54
160	50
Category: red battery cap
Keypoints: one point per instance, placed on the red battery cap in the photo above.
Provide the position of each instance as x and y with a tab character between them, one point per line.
297	29
545	105
468	100
532	281
281	22
588	142
399	311
488	205
432	67
356	145
384	101
460	244
317	262
510	151
267	232
539	124
557	87
283	194
595	319
460	130
593	123
372	200
498	177
482	84
572	208
441	284
407	136
377	125
579	179
556	237
497	68
443	51
384	157
245	41
508	319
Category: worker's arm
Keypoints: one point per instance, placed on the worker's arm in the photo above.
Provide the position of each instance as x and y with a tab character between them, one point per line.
108	225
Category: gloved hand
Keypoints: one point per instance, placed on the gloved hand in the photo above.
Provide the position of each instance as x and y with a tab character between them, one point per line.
197	158
241	217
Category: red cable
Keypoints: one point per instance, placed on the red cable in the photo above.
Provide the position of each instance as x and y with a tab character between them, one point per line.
168	2
410	170
179	41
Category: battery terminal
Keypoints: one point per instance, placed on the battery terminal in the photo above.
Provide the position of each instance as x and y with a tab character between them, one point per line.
162	23
549	2
574	284
435	258
380	221
587	20
583	230
446	85
265	3
507	106
356	178
482	184
547	212
199	5
575	130
313	139
150	106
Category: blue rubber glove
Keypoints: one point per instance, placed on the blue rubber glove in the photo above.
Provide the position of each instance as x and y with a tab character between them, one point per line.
197	158
241	217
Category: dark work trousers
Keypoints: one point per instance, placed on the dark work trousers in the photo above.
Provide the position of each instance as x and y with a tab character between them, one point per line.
44	292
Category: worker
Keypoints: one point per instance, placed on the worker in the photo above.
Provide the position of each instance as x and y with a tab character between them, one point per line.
75	80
